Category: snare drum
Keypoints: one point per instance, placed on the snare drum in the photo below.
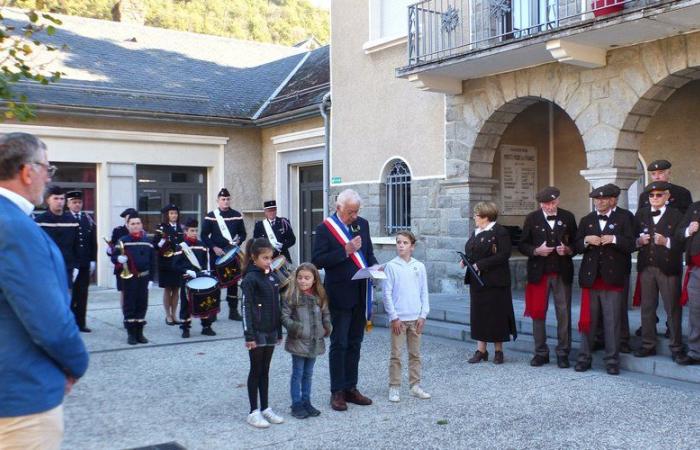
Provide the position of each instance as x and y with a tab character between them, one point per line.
282	270
228	266
204	296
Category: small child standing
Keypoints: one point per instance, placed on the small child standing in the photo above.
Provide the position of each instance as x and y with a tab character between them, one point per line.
262	326
307	319
406	304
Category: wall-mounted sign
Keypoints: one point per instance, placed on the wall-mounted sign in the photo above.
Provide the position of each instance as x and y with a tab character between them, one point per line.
336	180
518	179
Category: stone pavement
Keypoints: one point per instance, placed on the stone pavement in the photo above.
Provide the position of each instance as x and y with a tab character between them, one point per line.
193	392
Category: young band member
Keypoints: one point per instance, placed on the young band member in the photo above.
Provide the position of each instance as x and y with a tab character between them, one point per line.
548	242
118	233
86	257
277	230
222	228
167	237
190	260
138	254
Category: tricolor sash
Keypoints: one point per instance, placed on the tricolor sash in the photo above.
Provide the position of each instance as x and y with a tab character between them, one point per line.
341	234
190	255
270	233
222	226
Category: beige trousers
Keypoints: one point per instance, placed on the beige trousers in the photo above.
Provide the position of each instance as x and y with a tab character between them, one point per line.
412	338
41	431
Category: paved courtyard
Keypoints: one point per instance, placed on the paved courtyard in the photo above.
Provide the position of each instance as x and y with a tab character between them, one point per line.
193	392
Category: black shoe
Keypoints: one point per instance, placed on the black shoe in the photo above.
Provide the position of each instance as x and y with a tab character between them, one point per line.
687	361
644	352
85	330
139	335
681	359
478	356
169	322
207	331
563	362
539	360
299	412
582	366
235	316
131	340
625	348
613	369
313	412
498	357
186	333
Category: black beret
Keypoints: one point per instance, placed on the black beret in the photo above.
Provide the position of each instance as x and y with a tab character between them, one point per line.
134	215
658	186
191	223
74	194
170	207
659	164
128	212
223	193
54	190
615	189
548	194
607	190
269	204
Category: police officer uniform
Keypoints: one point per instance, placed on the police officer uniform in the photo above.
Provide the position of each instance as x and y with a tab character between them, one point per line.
552	273
166	239
213	237
601	277
86	258
118	233
282	229
680	196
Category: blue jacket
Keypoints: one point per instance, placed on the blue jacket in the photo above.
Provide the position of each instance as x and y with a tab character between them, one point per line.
39	340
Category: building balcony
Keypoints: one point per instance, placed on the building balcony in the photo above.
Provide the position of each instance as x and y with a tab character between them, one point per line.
454	40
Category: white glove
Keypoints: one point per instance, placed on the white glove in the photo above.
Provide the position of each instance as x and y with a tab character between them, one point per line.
92	267
75	274
161	243
278	246
191	273
109	250
122	259
150	285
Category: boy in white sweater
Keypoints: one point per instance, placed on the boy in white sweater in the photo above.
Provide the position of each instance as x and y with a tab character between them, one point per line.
406	304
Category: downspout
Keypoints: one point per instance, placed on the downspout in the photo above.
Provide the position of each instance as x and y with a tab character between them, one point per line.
325	108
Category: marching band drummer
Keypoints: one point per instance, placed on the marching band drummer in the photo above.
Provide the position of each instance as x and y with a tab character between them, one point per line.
167	237
191	259
222	228
277	230
118	233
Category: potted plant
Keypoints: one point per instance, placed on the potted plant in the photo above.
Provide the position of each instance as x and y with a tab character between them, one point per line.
604	7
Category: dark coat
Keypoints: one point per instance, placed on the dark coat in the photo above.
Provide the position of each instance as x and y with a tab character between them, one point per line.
182	264
117	233
536	230
490	251
172	235
211	235
692	243
87	241
283	233
630	217
669	261
141	253
261	303
330	255
607	261
63	229
680	199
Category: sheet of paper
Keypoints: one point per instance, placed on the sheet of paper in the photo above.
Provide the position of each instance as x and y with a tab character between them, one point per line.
369	273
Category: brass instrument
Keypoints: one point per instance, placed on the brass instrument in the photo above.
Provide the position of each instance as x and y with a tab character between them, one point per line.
126	273
169	252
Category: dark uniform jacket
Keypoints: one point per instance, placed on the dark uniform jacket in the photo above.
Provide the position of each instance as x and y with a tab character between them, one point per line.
490	251
669	261
141	253
680	198
173	236
182	264
536	230
261	303
330	255
211	234
117	233
63	229
606	261
692	243
283	233
632	220
87	238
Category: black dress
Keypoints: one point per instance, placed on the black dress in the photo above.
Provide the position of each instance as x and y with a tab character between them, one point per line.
491	306
168	276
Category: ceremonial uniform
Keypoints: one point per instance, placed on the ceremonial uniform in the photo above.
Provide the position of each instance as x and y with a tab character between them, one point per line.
63	229
86	260
182	264
283	236
552	273
690	296
680	196
172	234
118	233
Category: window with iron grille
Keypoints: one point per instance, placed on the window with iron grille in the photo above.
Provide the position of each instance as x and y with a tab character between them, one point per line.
398	198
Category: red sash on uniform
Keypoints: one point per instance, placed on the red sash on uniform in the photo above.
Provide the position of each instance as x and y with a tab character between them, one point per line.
584	321
536	298
694	262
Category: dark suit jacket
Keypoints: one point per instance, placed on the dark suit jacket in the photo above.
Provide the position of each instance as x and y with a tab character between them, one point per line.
63	229
670	261
692	243
680	198
606	261
283	233
330	255
87	238
632	220
536	230
490	251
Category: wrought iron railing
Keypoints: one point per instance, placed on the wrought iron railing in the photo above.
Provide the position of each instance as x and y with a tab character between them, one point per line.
438	29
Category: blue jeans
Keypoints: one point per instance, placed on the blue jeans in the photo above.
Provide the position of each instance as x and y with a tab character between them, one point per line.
300	384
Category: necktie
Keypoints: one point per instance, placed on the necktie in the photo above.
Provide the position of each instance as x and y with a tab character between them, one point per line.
551	217
656	213
602	217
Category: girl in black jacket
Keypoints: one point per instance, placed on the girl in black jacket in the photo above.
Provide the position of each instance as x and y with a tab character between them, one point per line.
262	326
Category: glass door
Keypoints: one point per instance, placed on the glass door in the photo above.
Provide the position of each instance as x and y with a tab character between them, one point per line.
310	206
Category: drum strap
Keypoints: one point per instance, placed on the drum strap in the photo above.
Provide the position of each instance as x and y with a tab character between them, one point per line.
222	226
190	255
270	233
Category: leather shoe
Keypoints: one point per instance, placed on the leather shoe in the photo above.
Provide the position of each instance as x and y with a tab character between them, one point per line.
613	369
582	366
85	330
625	348
681	359
539	360
644	352
478	356
498	357
563	362
687	361
338	401
354	396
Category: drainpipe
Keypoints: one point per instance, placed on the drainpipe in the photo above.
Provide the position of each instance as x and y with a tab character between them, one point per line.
325	108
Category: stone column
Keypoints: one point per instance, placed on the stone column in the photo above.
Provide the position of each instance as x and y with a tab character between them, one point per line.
622	177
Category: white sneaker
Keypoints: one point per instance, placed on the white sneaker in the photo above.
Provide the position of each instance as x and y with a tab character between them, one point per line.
257	420
416	391
271	417
394	394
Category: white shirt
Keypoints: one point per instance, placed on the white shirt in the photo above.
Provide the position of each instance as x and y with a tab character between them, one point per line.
550	222
486	228
656	222
405	290
25	205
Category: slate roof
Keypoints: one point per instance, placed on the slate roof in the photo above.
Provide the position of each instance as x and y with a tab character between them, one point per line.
126	67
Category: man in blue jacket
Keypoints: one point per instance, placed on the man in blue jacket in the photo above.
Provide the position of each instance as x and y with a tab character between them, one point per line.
41	352
342	246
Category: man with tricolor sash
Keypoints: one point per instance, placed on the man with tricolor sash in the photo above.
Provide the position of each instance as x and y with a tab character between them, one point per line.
342	246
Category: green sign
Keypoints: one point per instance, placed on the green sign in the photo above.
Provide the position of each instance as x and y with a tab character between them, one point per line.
336	180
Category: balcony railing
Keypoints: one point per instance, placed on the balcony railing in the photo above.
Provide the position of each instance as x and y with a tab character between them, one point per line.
438	29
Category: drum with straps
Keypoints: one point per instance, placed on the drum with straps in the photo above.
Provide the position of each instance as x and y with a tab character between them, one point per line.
283	270
228	266
204	296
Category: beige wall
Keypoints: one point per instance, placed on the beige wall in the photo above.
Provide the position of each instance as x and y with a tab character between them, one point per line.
376	116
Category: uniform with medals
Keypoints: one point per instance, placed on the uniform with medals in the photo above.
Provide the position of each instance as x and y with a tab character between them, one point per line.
166	239
118	233
278	231
680	196
551	273
86	258
688	233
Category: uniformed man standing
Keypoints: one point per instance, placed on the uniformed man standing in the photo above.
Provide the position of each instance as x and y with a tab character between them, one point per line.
62	228
688	233
86	258
548	240
222	228
605	238
277	230
680	197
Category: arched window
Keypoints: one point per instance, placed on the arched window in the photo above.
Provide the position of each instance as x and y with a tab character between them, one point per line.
398	198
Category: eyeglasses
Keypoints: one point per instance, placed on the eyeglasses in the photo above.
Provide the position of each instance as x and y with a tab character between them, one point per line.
50	170
656	194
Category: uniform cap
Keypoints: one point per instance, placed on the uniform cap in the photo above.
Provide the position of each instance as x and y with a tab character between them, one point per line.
170	207
269	204
54	190
74	194
128	212
607	190
191	223
223	193
548	194
659	164
658	186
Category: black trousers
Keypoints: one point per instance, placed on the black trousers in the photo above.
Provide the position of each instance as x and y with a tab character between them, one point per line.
259	376
79	296
185	316
346	342
135	301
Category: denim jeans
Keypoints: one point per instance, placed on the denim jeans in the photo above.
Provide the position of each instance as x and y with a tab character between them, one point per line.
300	384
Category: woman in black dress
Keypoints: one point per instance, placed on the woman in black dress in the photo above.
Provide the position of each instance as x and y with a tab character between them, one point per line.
491	305
167	237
